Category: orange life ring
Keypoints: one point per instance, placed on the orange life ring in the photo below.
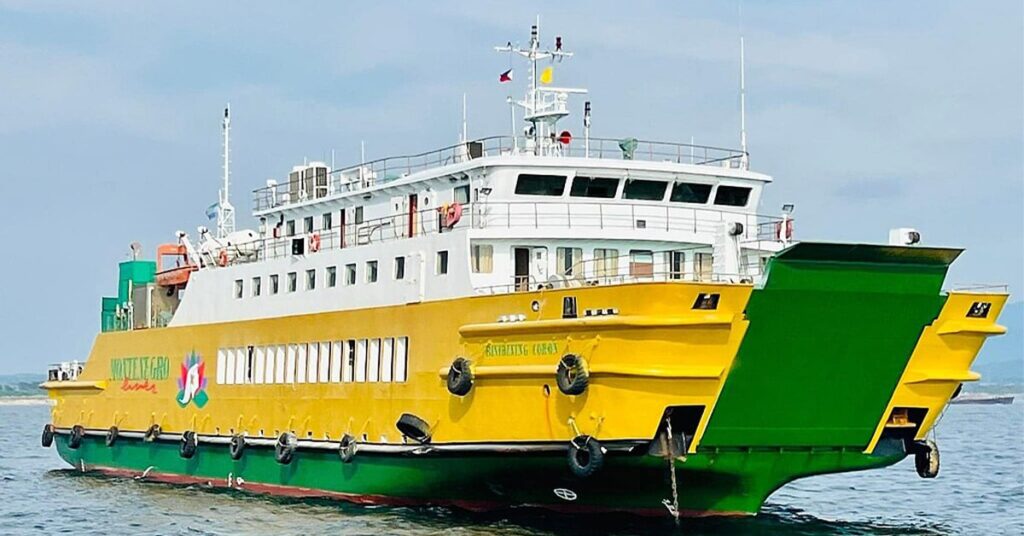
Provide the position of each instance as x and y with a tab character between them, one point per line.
314	242
223	258
452	214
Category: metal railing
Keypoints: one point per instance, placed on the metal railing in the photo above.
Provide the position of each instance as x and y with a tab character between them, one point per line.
374	172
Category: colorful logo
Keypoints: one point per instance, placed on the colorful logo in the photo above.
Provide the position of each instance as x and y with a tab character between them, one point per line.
192	382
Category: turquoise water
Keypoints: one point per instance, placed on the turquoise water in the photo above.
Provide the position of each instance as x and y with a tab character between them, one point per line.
980	490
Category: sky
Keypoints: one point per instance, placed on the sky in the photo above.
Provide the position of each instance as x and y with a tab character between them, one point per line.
869	116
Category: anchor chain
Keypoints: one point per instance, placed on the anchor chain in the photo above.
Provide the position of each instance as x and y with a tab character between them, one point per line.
673	505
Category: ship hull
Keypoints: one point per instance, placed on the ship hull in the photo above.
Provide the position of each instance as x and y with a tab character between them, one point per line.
725	483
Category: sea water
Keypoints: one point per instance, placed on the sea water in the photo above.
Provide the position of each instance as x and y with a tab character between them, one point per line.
980	490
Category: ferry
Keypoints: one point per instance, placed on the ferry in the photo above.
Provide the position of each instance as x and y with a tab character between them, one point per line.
542	320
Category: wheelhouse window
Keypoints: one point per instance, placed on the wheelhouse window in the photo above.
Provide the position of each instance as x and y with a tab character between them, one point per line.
293	281
641	263
307	224
462	194
570	262
350	274
310	279
371	271
399	268
606	262
328	221
482	258
594	187
275	284
644	190
441	264
550	185
238	289
257	286
332	276
289	228
732	196
689	192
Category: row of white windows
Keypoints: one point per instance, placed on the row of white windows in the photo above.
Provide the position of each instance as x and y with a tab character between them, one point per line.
371	274
347	361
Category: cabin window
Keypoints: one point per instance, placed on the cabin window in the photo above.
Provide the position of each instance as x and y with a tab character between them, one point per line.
257	286
373	360
310	279
293	280
328	221
401	358
529	184
482	258
300	363
606	262
676	264
336	352
641	263
349	361
441	264
399	268
289	366
387	365
238	289
570	262
307	224
594	187
290	228
732	196
350	274
332	276
644	190
250	364
703	265
371	271
274	284
462	194
688	192
359	215
360	368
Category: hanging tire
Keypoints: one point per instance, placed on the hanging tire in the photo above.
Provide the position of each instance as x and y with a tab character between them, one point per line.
189	444
75	438
111	436
284	449
460	377
572	375
414	428
236	446
152	433
926	458
47	439
347	448
586	456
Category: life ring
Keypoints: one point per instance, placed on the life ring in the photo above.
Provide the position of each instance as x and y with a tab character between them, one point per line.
48	433
460	377
75	439
452	213
572	376
347	448
111	438
222	259
586	456
314	242
284	449
236	446
152	433
189	444
786	234
926	458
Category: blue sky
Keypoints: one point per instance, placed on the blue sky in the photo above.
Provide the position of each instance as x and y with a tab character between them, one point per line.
869	115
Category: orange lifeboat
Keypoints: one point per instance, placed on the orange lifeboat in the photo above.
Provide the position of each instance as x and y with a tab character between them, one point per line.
177	275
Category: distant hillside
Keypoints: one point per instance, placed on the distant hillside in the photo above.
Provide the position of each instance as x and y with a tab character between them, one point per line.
1002	358
20	385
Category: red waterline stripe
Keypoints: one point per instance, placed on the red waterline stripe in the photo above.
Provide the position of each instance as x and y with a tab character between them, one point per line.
383	500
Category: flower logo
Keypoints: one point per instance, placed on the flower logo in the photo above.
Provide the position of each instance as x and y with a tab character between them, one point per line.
192	382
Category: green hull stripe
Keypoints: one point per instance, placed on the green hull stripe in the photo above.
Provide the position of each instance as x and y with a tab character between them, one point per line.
828	340
727	482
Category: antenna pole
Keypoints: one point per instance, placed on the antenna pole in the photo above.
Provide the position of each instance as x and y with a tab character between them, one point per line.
465	129
226	212
745	158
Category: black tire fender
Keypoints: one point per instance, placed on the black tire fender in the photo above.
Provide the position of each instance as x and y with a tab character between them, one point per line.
926	458
586	456
75	438
236	446
189	444
572	376
111	438
347	448
48	432
284	449
460	377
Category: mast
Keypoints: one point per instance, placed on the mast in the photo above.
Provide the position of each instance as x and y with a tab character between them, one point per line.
745	159
226	212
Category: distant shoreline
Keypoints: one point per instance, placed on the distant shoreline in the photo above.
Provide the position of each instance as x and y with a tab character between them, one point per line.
34	400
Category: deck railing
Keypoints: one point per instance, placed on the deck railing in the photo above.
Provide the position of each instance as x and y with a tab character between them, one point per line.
375	172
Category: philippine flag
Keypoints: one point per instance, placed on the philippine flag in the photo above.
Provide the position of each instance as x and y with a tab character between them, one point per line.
505	76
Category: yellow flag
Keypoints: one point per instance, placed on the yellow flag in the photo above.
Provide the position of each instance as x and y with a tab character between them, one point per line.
546	74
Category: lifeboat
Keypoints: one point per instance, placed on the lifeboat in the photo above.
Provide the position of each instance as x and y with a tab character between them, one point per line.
178	274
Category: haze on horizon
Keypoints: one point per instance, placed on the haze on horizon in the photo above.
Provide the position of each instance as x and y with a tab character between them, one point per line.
869	115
